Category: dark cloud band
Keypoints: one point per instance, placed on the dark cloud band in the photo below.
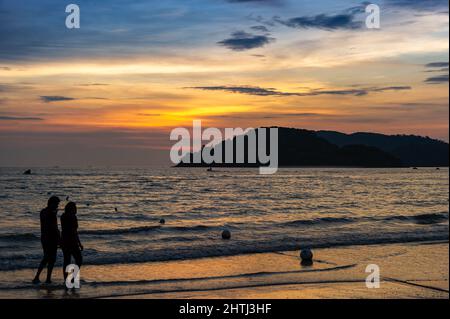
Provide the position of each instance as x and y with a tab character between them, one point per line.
258	91
55	98
18	118
437	79
242	41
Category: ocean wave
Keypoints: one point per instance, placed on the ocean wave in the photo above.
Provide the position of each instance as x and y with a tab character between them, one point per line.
19	237
150	228
422	219
318	221
128	283
219	248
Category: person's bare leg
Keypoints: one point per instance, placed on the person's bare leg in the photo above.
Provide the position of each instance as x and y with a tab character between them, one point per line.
51	263
36	279
66	262
49	272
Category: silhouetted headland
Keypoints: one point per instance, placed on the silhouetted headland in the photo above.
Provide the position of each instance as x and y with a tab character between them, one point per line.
305	148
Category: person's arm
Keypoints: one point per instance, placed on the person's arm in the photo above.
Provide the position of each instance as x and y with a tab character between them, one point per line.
76	233
54	222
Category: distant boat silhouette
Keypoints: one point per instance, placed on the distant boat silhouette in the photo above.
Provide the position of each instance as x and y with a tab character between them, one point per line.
27	172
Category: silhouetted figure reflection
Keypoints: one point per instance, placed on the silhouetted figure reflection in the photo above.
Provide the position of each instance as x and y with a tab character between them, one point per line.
71	244
50	238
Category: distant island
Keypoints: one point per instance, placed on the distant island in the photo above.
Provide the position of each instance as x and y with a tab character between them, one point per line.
300	148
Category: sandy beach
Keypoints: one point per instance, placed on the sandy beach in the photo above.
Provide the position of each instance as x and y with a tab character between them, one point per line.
411	270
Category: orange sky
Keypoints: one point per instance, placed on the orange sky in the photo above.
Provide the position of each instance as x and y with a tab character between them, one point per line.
341	78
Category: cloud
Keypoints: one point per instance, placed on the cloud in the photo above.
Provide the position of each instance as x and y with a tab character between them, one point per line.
5	68
149	114
242	41
55	98
420	4
258	91
8	87
346	20
437	70
437	65
265	115
18	118
437	79
251	90
255	1
260	28
93	84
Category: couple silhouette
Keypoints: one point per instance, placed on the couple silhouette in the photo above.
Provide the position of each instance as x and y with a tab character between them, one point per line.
52	239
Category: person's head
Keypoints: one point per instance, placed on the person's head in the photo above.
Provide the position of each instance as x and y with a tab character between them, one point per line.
71	208
53	202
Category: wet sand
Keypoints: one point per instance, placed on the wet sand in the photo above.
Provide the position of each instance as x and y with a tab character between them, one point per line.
412	270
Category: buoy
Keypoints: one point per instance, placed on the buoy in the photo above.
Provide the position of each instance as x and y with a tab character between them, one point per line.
115	209
226	234
306	255
162	221
27	172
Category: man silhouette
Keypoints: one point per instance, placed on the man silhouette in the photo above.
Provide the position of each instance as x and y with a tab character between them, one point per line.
50	238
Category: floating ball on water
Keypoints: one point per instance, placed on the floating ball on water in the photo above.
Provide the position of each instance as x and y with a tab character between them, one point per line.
162	221
307	263
226	234
306	255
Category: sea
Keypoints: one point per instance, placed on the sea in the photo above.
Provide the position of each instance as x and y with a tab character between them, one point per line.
120	210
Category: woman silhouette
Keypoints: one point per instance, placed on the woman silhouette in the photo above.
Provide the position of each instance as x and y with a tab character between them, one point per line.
71	244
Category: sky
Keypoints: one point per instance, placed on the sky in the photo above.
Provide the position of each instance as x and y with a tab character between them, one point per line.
110	92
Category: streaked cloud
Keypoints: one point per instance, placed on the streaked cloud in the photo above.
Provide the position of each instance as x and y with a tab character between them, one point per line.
437	79
259	91
260	28
19	118
56	98
242	41
256	1
93	84
349	19
419	4
437	65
